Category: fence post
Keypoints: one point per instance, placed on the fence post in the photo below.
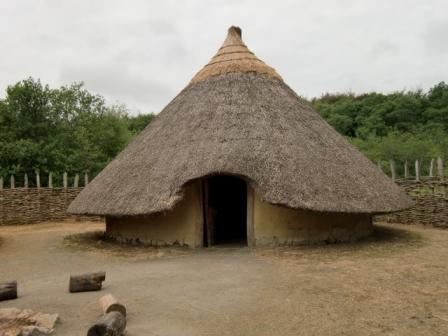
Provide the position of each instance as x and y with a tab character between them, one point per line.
12	182
417	170
37	179
50	180
76	182
440	167
406	169
1	182
65	180
86	179
25	180
392	169
431	168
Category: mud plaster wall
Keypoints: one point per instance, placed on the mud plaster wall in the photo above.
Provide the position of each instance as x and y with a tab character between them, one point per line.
178	226
276	226
273	225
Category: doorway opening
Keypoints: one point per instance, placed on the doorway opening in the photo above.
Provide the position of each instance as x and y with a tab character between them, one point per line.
225	210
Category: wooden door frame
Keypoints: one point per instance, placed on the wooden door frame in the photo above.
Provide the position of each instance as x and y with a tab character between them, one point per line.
199	239
207	218
250	194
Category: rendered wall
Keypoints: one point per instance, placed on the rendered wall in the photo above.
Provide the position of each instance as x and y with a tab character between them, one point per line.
276	226
178	226
269	225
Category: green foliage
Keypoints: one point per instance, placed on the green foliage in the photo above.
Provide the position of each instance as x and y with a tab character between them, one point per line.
139	122
402	126
65	129
69	129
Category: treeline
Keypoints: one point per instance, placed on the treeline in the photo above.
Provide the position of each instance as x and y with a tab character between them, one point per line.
401	126
71	130
67	129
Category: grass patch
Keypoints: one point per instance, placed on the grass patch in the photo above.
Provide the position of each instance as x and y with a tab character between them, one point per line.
100	242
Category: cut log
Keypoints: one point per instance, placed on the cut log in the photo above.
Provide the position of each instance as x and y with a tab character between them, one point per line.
8	290
86	282
111	324
109	304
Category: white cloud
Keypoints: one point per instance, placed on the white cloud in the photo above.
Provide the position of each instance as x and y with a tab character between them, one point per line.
142	53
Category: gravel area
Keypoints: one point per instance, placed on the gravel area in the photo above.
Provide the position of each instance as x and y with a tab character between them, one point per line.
394	284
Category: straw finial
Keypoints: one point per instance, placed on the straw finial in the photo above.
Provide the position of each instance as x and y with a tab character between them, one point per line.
234	56
235	30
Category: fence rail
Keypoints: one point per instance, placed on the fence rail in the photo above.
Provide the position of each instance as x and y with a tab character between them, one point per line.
50	182
436	169
24	204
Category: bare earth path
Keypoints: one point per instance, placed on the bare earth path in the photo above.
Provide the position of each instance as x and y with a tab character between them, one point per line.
389	288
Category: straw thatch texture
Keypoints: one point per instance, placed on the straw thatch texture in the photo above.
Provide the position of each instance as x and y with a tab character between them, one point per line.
234	56
251	125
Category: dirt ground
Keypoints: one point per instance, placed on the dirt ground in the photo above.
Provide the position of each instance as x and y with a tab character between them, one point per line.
395	285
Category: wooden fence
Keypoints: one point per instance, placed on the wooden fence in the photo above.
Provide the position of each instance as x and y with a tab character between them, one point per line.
429	194
22	205
26	205
431	203
38	184
436	169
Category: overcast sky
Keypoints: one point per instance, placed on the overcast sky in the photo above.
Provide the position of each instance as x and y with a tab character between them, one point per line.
142	53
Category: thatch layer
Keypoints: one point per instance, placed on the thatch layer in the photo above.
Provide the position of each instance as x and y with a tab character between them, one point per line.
251	125
234	56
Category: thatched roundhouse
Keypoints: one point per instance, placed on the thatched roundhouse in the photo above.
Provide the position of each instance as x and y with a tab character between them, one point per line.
238	156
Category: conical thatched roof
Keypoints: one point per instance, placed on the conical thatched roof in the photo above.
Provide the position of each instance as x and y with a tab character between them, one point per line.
237	116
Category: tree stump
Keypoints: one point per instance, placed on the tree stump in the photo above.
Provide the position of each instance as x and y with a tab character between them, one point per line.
109	304
111	324
8	290
86	282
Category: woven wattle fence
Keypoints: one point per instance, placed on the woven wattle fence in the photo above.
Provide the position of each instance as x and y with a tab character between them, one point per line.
429	194
33	205
26	205
431	203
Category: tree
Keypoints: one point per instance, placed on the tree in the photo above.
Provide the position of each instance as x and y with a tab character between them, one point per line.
65	129
400	126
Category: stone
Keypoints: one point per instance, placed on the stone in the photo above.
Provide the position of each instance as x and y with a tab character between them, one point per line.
47	321
25	314
26	322
33	331
9	313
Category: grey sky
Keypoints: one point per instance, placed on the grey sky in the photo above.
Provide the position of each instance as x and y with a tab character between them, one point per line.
142	53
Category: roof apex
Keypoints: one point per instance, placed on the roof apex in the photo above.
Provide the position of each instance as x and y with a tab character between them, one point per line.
234	56
234	37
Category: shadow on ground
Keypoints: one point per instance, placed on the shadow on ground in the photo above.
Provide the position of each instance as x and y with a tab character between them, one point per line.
384	240
98	241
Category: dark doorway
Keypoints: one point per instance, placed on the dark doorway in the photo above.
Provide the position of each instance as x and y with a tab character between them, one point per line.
225	202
